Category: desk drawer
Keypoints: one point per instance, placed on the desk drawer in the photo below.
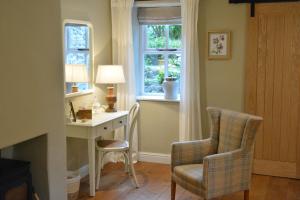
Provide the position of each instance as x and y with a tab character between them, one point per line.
105	128
122	121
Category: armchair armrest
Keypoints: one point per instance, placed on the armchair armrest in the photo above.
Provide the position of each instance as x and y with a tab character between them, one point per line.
190	152
228	172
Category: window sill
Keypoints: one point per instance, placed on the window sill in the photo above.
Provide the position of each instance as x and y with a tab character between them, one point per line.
157	98
81	93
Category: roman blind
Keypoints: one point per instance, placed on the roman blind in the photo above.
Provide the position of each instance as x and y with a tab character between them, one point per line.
159	15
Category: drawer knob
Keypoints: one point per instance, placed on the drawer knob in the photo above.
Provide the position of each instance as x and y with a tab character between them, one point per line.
120	122
105	128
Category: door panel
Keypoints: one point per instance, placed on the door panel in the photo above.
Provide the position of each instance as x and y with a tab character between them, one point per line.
273	87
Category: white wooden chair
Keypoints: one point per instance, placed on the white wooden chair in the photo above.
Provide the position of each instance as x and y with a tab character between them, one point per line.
124	146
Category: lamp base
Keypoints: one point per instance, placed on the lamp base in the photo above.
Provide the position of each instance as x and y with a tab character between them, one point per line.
110	109
74	88
111	100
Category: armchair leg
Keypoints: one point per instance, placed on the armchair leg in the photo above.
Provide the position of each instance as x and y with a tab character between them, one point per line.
246	195
173	190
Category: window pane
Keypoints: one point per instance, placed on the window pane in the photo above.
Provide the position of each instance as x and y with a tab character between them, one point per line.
153	73
156	37
77	37
69	87
175	36
174	65
81	87
77	58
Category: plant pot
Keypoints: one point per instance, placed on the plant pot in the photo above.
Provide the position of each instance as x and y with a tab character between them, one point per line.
170	87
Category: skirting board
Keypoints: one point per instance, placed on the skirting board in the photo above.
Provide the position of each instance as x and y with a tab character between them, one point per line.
154	157
142	156
84	170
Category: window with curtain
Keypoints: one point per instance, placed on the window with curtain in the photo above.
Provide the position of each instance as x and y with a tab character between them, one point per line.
160	47
78	50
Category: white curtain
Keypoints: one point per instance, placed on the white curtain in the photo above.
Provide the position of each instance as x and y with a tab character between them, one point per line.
190	116
122	54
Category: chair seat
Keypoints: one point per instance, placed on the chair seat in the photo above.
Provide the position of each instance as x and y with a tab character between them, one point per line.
189	177
112	145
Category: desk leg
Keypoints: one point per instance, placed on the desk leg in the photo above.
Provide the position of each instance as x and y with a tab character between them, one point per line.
91	149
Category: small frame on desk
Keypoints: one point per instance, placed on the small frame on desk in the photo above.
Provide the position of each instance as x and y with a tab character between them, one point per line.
219	45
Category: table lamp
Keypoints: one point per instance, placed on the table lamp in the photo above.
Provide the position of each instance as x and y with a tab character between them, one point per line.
76	73
110	74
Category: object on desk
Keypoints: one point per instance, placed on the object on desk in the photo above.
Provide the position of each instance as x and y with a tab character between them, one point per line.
72	111
110	74
96	106
76	73
84	114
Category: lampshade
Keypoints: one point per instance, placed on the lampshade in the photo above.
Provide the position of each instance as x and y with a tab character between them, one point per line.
110	74
76	73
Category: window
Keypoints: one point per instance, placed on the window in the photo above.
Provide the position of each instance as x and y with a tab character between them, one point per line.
160	56
78	50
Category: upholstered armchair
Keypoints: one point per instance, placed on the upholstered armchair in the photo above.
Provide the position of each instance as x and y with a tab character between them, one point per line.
221	164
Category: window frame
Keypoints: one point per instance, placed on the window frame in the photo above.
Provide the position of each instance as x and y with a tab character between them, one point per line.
164	51
85	51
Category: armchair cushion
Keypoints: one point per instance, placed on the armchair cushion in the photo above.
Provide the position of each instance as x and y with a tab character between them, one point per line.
232	126
189	177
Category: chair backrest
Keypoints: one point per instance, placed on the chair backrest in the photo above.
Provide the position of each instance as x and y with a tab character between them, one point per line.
132	117
232	130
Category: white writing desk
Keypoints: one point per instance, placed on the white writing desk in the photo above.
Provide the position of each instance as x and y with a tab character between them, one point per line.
100	124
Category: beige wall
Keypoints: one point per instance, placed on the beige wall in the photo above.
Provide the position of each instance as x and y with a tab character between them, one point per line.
222	82
158	126
225	79
97	12
31	81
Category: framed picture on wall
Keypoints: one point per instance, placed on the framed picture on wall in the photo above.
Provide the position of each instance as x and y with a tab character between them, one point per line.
219	45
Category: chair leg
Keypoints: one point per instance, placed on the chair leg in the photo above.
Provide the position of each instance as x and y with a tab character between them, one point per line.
99	168
132	169
102	163
126	162
246	195
173	190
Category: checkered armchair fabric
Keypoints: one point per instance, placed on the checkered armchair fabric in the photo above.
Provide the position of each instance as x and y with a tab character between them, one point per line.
221	164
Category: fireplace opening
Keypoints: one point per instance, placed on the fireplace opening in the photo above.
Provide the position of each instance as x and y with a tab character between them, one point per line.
15	180
23	170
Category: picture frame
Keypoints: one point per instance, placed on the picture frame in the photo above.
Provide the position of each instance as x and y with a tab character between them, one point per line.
219	45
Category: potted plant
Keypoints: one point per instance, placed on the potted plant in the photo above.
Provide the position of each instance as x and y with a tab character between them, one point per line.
170	87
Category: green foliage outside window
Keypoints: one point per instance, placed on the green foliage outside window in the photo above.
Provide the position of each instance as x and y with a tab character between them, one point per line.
161	37
156	36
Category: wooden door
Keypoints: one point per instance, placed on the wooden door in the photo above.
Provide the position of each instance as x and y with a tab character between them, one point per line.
273	87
